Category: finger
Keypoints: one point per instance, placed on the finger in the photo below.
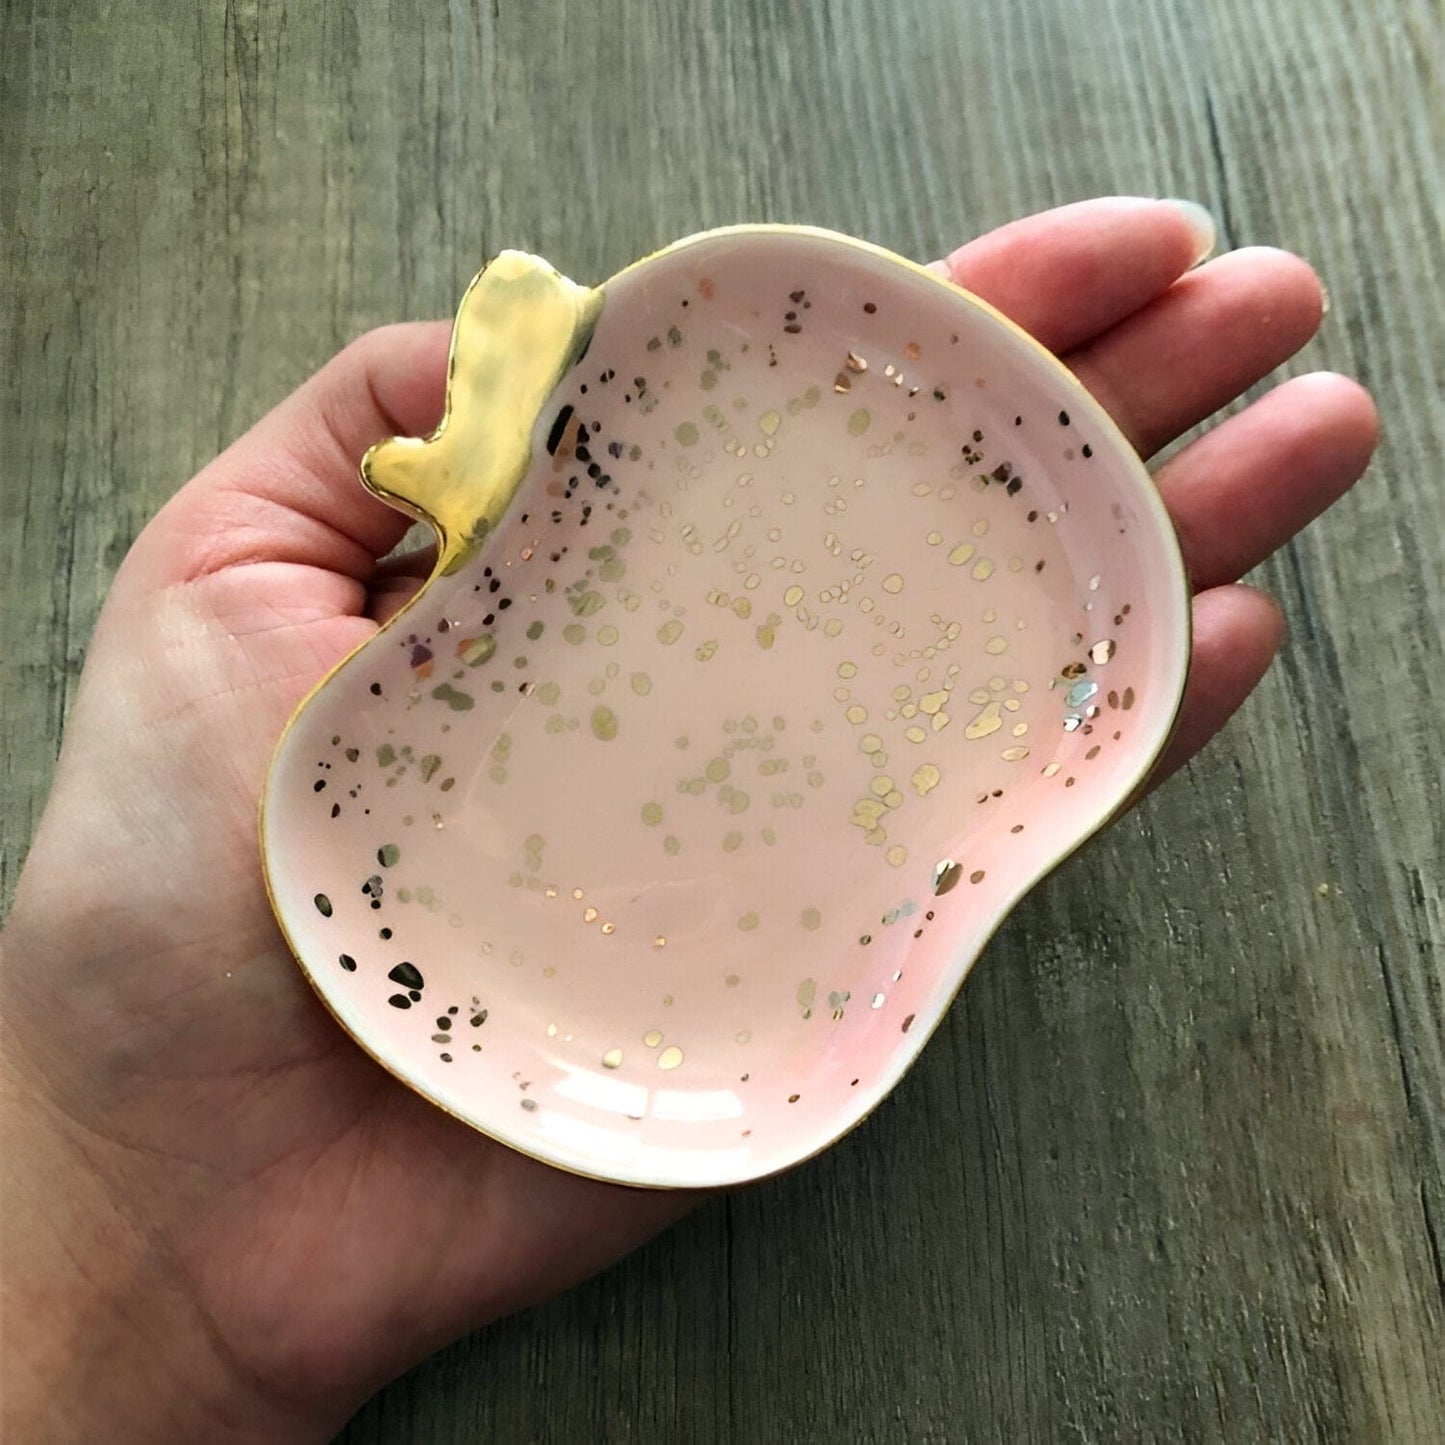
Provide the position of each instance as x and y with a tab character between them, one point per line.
1249	485
1237	632
1214	333
1068	274
388	595
289	490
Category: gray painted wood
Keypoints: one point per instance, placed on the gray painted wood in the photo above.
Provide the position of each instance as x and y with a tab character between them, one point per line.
1174	1166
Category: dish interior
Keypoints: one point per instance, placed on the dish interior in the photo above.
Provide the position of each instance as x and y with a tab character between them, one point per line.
831	614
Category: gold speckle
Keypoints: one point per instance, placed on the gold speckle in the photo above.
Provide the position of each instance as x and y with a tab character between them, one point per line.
609	928
841	384
793	596
897	855
811	919
847	669
995	646
932	702
977	876
856	714
961	553
705	650
1015	754
476	650
612	1059
871	743
769	422
577	894
1051	770
652	814
989	720
641	684
652	1038
1101	652
983	570
926	778
793	1098
669	632
575	633
807	991
607	636
915	734
945	876
748	921
893	583
855	363
660	941
717	769
670	1057
589	914
671	846
859	422
604	723
731	981
686	434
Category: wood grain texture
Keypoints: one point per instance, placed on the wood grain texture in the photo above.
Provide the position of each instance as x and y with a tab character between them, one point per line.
1173	1167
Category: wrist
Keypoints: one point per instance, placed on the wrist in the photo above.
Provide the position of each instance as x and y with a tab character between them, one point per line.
102	1334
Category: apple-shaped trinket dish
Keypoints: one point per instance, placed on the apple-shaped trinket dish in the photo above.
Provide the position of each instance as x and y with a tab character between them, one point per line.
794	614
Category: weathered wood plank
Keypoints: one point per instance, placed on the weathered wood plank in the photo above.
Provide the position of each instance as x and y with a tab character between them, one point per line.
1174	1166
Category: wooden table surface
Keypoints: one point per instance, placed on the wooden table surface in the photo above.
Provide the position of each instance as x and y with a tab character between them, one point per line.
1173	1166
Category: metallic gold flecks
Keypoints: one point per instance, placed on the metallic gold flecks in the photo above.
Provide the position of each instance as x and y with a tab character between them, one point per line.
893	583
670	631
811	919
989	720
926	779
962	553
670	1057
651	814
604	723
859	422
945	876
1101	652
807	992
652	1038
612	1059
748	922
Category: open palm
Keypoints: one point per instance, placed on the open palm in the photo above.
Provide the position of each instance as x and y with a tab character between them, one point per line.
234	1169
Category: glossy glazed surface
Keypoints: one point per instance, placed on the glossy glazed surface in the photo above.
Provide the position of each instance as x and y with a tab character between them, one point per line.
828	614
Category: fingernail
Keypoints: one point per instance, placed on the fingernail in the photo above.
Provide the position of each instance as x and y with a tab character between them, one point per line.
1324	300
940	268
1201	226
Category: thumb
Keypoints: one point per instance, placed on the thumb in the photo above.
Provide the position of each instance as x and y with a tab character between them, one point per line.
289	490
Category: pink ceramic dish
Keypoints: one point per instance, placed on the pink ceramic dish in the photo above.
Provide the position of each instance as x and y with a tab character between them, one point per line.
796	613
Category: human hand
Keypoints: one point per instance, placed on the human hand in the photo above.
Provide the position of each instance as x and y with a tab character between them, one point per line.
221	1216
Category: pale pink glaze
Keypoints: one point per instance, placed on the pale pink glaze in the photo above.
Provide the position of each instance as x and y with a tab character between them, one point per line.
731	803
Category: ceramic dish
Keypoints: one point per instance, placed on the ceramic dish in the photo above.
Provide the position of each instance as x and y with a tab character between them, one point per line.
795	614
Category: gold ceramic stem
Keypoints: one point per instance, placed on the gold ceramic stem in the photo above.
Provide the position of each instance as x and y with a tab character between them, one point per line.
519	330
